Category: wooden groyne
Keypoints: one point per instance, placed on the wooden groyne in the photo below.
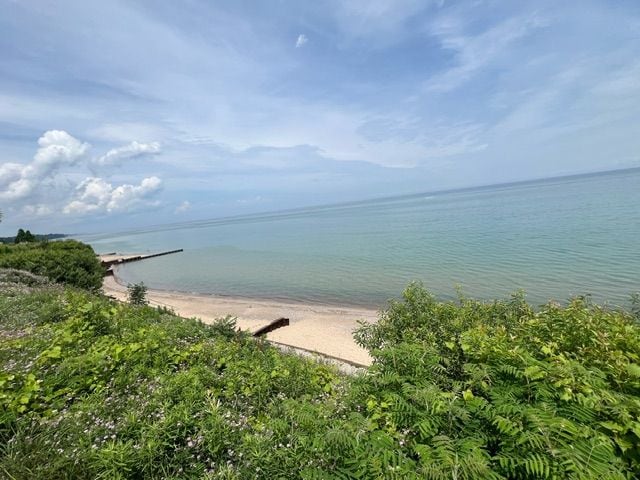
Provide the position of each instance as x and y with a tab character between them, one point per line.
274	325
108	264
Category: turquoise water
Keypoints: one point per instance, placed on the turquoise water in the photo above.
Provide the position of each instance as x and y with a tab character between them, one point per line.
553	238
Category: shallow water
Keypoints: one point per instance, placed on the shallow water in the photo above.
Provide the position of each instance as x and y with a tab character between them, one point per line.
553	238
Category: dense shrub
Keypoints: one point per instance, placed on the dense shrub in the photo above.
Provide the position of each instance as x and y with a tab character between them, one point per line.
66	261
496	390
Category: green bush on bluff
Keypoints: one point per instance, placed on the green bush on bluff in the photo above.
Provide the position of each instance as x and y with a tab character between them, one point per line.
68	261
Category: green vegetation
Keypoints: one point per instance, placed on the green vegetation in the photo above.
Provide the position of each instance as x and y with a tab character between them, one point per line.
137	293
95	389
500	391
91	388
67	261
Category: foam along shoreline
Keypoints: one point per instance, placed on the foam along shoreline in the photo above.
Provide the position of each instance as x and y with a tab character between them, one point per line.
323	329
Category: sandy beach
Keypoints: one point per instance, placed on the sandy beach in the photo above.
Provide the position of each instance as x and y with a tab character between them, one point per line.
324	329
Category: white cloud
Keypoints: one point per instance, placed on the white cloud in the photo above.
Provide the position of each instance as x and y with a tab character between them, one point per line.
18	189
52	180
134	150
57	149
10	172
302	39
38	210
95	195
475	52
183	207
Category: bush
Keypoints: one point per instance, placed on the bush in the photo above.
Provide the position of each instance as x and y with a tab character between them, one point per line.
67	261
496	390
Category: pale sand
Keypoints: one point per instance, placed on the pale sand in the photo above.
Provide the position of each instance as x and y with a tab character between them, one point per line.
318	328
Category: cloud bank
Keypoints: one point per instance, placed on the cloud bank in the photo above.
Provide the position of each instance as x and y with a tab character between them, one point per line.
52	182
96	195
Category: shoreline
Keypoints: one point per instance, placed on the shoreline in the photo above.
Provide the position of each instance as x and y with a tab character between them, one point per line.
284	300
314	328
275	300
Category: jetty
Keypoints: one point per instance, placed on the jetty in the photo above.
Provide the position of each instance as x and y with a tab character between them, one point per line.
111	259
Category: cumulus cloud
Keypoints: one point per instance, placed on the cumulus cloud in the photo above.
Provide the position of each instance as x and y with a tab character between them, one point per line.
302	39
53	180
134	150
96	195
57	149
10	172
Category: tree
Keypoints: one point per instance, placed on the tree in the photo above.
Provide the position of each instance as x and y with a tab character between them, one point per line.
20	236
23	236
137	293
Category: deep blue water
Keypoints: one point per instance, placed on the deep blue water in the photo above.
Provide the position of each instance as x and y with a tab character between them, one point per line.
554	238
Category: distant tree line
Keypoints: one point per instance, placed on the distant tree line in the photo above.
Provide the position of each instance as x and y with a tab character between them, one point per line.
26	236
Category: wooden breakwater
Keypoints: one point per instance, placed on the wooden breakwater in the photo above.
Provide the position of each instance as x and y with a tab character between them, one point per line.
108	264
274	325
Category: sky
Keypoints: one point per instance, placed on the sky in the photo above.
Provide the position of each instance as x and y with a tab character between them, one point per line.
121	114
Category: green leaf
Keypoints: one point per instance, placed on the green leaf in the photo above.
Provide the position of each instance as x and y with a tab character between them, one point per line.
633	369
613	426
55	352
534	372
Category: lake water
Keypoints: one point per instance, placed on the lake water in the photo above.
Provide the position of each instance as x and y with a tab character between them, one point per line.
553	238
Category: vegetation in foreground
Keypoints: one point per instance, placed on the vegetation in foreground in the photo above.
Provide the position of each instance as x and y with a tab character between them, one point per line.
67	261
95	389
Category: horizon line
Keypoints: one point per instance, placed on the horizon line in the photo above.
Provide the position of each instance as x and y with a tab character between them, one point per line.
350	203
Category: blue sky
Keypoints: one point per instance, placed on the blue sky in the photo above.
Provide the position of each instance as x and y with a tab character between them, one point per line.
119	114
